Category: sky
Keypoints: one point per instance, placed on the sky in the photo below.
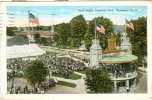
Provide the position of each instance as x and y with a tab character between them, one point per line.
49	15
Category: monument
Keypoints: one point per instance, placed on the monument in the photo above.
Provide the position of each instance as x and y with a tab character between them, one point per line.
125	43
95	53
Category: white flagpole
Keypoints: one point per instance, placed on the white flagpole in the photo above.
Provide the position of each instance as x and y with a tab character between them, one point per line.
95	28
125	26
32	27
28	23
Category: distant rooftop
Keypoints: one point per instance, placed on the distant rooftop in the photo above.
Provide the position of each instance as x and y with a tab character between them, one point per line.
16	41
44	33
118	58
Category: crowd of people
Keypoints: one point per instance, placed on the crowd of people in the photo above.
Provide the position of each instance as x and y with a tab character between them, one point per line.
61	66
16	67
53	65
120	70
39	89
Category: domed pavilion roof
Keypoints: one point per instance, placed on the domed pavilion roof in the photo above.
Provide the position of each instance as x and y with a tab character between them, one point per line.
114	58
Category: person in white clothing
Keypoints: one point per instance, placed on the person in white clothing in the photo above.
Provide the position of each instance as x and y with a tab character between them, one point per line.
127	89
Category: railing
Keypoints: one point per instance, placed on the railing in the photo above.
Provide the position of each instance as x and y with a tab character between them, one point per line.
124	77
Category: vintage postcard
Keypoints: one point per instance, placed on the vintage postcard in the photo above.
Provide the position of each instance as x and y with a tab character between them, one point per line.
61	50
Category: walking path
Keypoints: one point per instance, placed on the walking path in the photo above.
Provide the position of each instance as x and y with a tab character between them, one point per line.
79	82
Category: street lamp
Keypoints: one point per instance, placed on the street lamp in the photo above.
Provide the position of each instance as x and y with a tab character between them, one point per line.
53	22
143	65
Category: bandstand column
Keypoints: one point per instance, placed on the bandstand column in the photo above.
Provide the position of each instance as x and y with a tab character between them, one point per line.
134	82
115	86
127	84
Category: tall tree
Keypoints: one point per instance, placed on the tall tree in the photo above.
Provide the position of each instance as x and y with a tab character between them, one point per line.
35	72
98	81
138	37
78	28
36	36
9	31
63	33
56	37
90	34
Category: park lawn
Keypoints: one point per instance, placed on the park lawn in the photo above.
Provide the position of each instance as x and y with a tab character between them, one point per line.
50	53
84	71
21	76
71	76
70	47
77	57
68	84
74	76
65	58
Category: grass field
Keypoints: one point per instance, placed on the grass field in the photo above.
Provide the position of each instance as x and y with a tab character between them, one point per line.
84	71
65	58
68	84
71	76
50	53
77	57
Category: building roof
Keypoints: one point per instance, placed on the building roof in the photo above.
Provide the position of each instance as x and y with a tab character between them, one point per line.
118	58
44	33
16	41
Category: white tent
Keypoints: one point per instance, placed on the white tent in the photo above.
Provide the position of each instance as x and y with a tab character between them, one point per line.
25	50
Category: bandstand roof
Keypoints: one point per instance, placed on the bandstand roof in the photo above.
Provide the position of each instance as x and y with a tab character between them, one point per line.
117	58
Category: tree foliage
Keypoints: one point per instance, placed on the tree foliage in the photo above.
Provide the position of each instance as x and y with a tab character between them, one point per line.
23	36
35	72
36	36
138	37
97	81
9	31
78	28
63	33
90	33
56	37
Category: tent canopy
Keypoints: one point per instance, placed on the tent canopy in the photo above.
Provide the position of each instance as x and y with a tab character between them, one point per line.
25	50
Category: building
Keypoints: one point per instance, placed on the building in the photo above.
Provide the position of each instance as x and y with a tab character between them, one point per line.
120	64
31	34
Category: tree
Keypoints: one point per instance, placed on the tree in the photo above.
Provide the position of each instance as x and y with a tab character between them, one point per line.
90	33
49	41
63	33
43	41
78	28
138	37
98	81
23	36
9	31
36	36
56	37
35	72
45	28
